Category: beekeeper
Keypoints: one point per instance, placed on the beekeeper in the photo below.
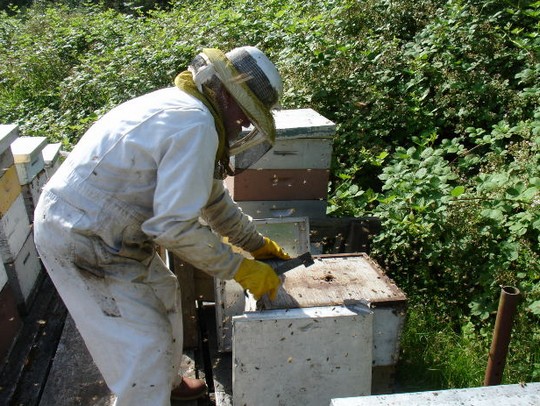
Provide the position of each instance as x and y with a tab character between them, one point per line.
146	173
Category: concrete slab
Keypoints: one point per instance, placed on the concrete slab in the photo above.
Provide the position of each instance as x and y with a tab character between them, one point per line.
509	395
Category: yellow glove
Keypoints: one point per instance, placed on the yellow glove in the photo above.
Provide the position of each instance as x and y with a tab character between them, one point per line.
258	277
270	249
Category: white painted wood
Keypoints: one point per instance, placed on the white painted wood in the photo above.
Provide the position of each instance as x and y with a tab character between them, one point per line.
24	271
293	236
14	229
28	157
387	328
3	276
284	208
509	395
302	356
8	134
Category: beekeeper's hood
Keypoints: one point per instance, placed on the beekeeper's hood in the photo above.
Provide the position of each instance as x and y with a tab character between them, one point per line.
255	84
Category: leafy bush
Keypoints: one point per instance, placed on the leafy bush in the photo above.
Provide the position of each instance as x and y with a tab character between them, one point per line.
437	112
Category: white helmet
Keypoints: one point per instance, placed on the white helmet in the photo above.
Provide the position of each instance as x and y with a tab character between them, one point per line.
254	82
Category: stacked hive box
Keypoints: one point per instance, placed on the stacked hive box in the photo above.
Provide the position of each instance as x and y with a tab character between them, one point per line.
291	179
19	255
11	206
28	156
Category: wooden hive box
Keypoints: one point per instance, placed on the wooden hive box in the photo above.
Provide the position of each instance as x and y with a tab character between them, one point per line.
333	282
27	153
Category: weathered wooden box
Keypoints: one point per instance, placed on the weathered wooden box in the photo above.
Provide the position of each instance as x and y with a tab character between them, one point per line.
293	236
14	229
27	153
334	281
296	168
24	273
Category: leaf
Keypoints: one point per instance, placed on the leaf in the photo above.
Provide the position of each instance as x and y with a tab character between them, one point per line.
535	307
494	214
457	191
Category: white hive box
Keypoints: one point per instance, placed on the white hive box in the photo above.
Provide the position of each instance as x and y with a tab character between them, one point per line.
14	229
24	272
51	157
28	157
302	356
293	236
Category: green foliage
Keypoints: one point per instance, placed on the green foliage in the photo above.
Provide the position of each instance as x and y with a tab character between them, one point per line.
438	131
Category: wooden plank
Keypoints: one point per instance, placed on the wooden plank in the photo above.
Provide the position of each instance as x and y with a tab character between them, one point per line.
184	272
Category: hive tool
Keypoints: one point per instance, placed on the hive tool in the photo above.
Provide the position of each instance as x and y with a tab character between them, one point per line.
281	266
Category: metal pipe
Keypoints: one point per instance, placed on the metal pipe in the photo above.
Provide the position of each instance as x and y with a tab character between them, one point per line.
501	335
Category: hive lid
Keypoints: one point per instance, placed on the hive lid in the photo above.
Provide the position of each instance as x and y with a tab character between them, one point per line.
336	280
51	152
25	148
8	134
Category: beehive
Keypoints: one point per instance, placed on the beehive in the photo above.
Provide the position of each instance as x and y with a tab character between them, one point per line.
332	282
291	179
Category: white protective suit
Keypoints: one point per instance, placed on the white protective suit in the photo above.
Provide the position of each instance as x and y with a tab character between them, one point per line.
142	174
